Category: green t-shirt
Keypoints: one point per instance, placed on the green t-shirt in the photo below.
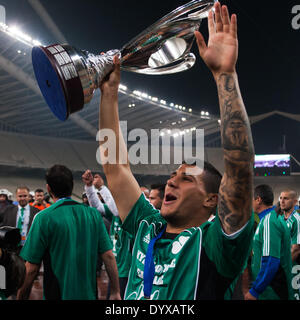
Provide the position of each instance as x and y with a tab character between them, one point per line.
198	263
272	239
122	243
67	237
293	223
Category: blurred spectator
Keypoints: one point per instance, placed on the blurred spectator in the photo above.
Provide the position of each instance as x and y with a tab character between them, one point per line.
157	194
31	197
85	199
146	191
39	201
4	199
21	215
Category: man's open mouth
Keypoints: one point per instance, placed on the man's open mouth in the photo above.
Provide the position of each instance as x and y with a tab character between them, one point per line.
169	198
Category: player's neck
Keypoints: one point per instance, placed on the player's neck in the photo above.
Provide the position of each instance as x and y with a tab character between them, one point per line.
288	213
178	228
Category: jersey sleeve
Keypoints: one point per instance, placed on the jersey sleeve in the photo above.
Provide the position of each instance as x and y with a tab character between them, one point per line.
109	200
272	237
295	231
142	209
228	252
37	241
93	199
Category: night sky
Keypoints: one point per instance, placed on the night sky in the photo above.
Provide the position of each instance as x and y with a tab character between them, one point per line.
268	65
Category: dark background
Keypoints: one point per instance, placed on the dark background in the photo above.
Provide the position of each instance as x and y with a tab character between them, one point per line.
268	66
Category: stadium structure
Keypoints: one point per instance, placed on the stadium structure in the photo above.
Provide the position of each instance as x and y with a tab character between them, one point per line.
32	139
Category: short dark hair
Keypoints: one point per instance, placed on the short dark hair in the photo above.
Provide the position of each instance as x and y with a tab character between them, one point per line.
160	187
266	194
39	190
211	177
60	180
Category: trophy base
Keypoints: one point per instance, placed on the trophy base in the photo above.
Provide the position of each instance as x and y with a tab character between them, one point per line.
63	94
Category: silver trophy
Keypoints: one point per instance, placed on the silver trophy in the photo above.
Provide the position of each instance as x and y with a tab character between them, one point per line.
68	77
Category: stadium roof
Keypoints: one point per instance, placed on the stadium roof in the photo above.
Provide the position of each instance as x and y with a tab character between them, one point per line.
25	111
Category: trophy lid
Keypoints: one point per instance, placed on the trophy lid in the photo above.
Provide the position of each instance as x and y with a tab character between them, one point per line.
63	93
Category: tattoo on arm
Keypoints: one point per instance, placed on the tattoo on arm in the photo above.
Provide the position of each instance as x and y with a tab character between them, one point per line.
235	201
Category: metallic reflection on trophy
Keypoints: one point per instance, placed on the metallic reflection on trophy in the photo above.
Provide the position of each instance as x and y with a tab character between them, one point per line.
68	77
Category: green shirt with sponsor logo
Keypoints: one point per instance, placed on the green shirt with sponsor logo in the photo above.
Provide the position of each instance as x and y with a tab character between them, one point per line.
198	263
293	223
272	239
122	243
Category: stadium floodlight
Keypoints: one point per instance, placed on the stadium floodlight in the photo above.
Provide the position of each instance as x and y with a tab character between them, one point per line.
123	87
137	93
16	33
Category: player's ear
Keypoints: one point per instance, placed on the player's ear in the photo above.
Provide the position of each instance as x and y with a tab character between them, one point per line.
211	201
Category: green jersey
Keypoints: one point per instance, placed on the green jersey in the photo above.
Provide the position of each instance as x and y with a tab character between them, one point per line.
67	237
198	263
122	243
293	223
272	239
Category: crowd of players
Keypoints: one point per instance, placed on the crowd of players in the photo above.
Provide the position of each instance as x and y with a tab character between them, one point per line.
261	276
209	236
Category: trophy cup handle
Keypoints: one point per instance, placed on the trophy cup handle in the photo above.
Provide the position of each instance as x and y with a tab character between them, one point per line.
185	63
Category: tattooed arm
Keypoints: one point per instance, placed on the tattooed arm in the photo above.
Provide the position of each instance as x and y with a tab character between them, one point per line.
220	55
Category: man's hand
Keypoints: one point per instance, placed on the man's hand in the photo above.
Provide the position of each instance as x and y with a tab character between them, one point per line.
249	296
111	82
88	178
115	296
221	53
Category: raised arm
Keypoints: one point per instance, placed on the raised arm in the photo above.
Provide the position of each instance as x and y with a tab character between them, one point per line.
120	180
91	192
220	55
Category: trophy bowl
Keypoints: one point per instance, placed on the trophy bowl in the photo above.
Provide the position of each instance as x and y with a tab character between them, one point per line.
68	77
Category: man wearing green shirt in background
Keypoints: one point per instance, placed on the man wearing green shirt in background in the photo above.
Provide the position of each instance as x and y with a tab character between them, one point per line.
178	254
67	237
288	201
271	259
121	240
